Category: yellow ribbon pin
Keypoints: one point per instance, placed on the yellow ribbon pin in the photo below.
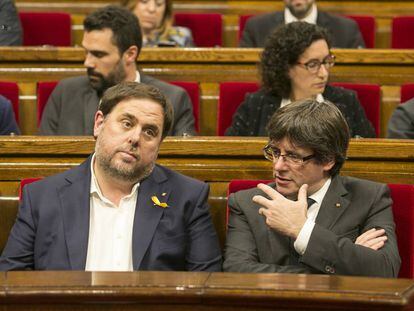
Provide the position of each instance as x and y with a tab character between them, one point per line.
158	203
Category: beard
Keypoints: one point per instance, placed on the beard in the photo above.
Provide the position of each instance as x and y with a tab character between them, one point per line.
300	12
100	83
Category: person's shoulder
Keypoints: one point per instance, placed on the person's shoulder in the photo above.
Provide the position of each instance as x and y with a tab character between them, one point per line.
265	18
73	82
163	86
408	107
364	186
337	19
5	104
179	31
338	93
178	179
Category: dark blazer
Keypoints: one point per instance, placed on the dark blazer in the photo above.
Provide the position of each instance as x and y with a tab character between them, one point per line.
10	28
252	247
401	124
344	32
52	226
254	113
8	123
72	105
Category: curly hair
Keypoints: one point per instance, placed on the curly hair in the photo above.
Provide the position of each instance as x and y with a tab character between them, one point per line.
282	50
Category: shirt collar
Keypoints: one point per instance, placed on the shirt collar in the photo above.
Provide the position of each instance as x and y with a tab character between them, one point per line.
320	194
287	101
137	77
95	185
311	18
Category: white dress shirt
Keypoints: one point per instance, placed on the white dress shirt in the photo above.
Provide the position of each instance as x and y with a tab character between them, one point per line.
110	230
311	18
302	240
287	101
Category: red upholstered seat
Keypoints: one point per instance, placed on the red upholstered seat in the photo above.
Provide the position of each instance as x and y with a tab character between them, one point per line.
46	28
206	27
193	91
407	92
231	95
403	210
402	32
367	26
10	90
44	89
369	96
24	182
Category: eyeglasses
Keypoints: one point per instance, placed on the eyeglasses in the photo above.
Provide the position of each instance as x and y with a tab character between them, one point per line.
272	153
314	65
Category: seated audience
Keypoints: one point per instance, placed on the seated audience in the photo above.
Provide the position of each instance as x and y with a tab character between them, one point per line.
343	31
311	219
117	211
401	124
112	41
8	123
10	27
295	65
156	19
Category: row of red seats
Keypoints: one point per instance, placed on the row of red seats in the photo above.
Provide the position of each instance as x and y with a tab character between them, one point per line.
206	28
231	95
403	209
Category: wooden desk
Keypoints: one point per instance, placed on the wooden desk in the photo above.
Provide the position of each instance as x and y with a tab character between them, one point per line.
209	67
216	160
382	10
199	291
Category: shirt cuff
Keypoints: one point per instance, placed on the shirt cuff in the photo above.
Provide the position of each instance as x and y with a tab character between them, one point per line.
302	240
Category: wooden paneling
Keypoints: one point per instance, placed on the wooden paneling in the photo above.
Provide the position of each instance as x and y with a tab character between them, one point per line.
26	66
215	160
382	10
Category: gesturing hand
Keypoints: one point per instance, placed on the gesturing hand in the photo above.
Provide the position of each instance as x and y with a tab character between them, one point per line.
282	214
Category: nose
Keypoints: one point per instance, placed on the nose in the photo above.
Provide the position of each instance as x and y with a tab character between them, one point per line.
89	61
135	136
151	6
323	72
279	163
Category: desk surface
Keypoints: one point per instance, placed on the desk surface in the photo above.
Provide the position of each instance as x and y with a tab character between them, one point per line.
206	291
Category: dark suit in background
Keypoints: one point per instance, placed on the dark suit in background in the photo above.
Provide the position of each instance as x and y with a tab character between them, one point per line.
254	113
52	227
344	32
10	28
350	207
71	107
8	123
401	124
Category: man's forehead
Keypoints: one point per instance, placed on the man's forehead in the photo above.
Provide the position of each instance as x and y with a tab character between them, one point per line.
289	145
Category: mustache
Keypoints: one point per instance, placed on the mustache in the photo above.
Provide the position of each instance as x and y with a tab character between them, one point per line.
92	72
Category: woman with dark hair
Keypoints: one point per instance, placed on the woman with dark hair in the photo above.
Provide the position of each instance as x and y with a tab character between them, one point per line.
155	18
295	65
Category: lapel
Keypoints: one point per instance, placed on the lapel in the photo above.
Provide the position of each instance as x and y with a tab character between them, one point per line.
333	205
322	20
91	101
74	202
147	214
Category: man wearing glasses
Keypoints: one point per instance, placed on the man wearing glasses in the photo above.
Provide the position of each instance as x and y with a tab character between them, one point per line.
311	220
295	65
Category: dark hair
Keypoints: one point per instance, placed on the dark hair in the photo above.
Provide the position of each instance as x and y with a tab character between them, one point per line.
123	23
282	50
134	90
318	126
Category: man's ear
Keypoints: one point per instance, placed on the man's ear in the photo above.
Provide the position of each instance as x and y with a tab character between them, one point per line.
328	165
98	124
131	54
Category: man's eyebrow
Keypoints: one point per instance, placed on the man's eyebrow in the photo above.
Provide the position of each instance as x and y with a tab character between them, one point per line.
129	116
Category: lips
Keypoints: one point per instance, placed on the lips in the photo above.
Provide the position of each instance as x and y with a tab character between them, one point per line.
281	180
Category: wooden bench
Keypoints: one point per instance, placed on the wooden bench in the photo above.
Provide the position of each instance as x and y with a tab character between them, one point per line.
209	67
215	160
382	10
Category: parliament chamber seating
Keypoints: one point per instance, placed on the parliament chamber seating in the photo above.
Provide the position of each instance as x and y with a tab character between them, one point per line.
407	92
44	89
402	32
10	90
403	210
46	28
366	24
206	27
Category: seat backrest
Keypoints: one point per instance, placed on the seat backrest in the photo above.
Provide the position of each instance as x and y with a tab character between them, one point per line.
10	90
403	210
206	27
46	28
231	95
402	30
369	96
407	92
44	89
368	28
24	182
242	184
193	91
